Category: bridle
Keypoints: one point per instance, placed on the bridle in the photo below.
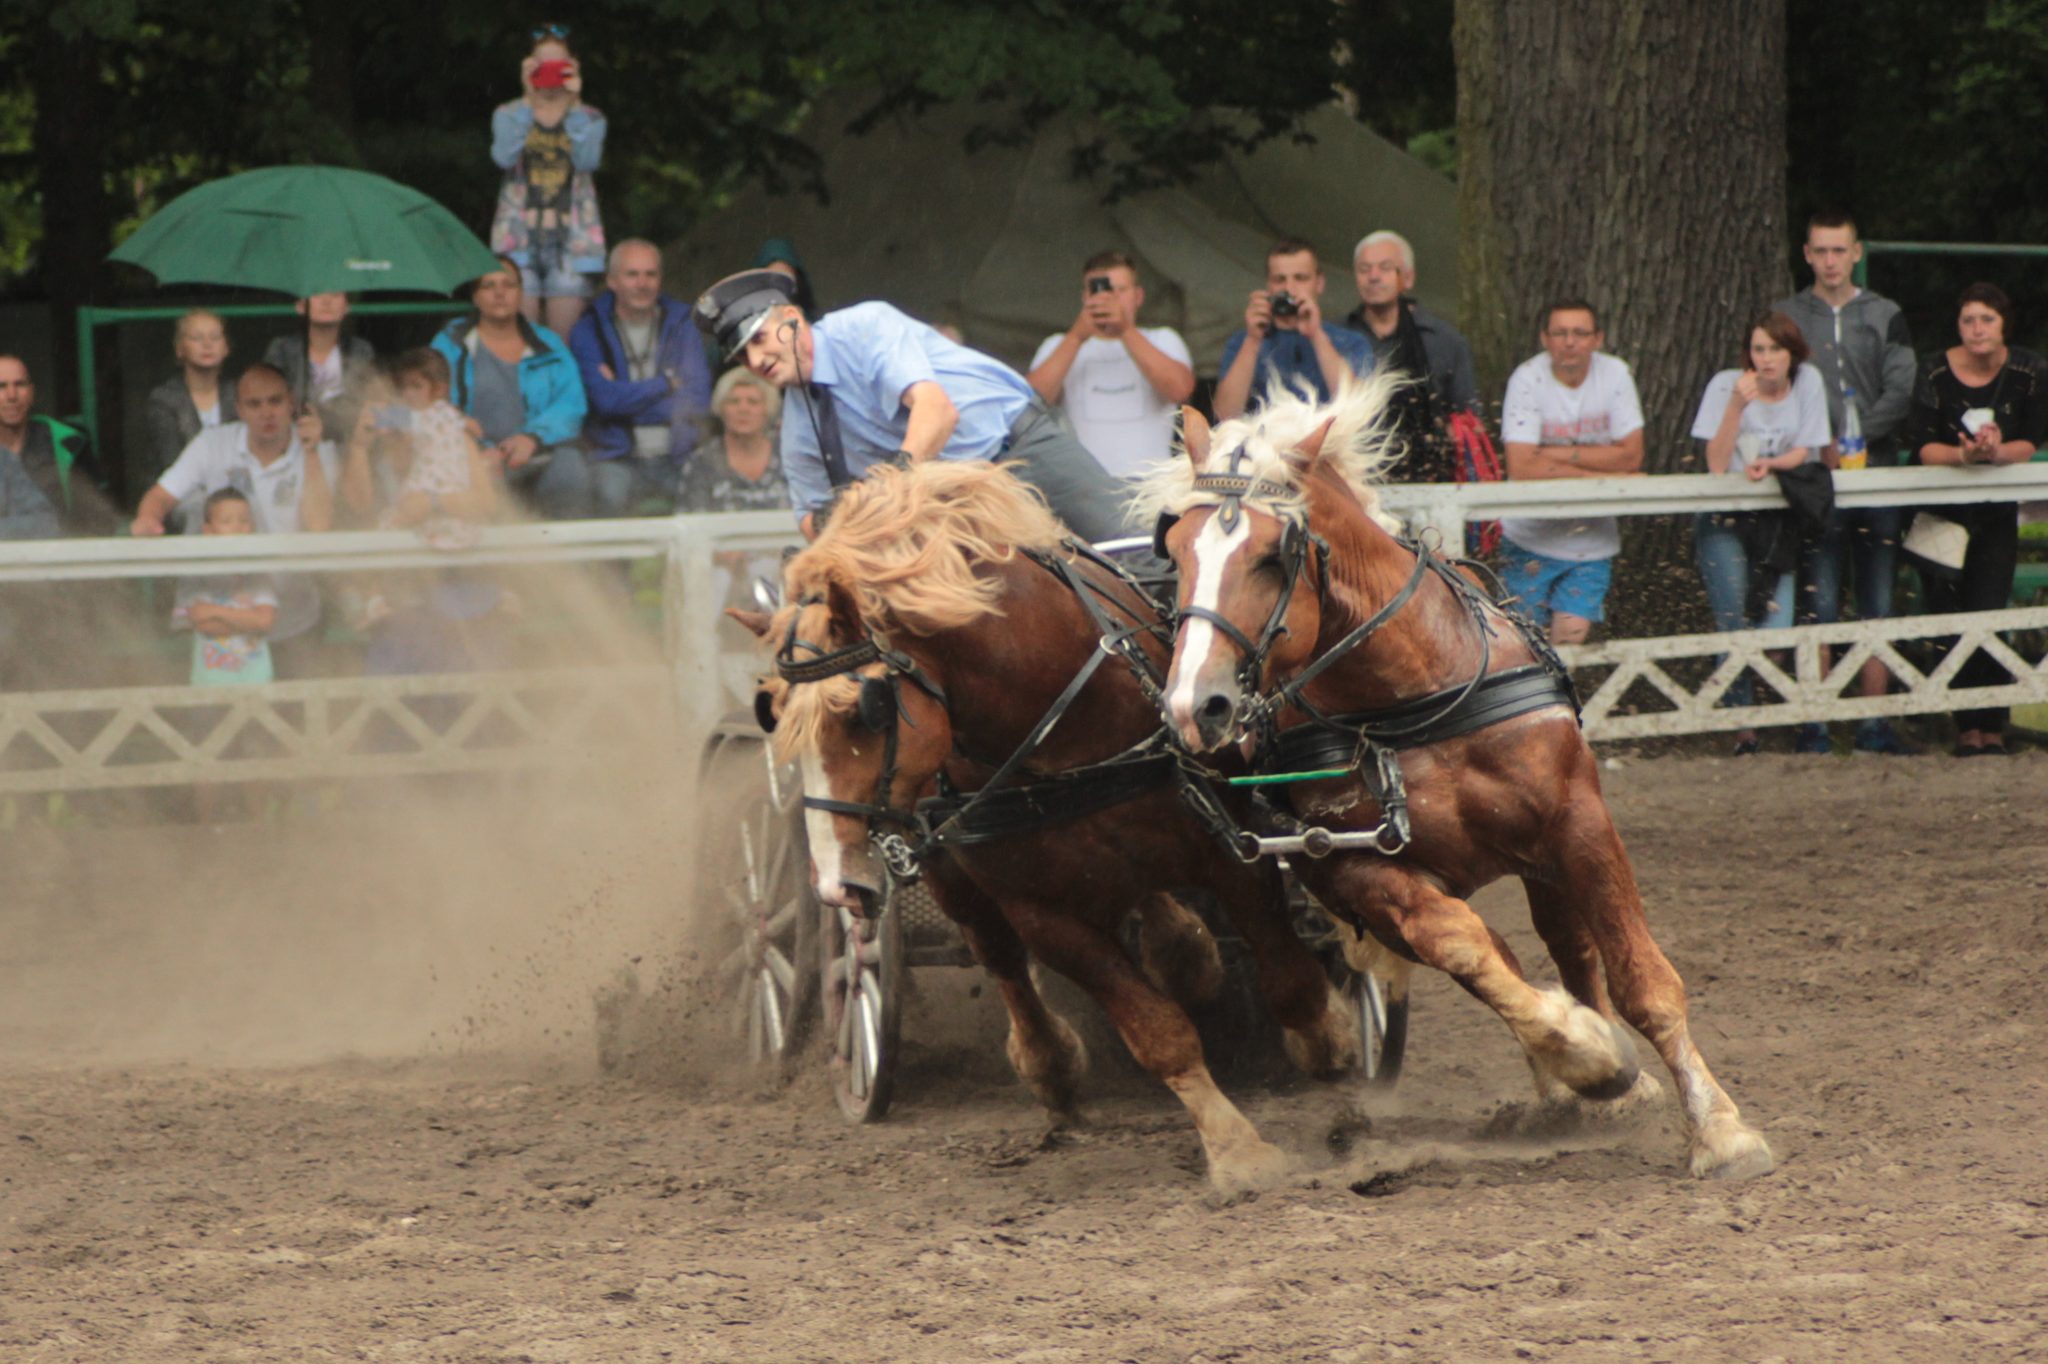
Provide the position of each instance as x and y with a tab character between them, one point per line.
880	709
1297	545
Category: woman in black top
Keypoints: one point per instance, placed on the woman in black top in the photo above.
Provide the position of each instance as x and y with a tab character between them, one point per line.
1947	426
194	398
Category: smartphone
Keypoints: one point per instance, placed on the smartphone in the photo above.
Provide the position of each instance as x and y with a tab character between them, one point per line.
394	417
551	75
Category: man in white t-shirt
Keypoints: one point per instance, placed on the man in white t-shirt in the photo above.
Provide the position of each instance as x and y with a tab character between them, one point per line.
262	456
1571	412
1119	383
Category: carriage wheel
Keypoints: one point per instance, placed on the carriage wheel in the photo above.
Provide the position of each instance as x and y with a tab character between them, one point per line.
769	910
1382	1026
863	1006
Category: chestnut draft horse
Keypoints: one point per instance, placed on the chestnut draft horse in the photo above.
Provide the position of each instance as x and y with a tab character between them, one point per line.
1310	631
937	629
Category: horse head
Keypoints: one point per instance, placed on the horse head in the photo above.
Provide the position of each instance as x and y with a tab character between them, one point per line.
865	722
1234	518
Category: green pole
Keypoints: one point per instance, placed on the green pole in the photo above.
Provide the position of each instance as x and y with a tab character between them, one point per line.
88	381
91	318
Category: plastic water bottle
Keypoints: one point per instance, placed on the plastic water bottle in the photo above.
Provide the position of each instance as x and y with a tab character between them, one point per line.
1852	452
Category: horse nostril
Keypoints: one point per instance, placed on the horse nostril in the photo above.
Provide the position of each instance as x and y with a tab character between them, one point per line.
1216	707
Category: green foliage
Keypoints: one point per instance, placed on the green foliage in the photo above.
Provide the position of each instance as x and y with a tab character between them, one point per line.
1923	123
701	95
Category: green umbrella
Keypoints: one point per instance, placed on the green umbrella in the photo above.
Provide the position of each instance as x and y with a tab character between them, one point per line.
305	230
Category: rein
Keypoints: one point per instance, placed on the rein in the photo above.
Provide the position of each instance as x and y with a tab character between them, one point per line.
1367	739
1004	809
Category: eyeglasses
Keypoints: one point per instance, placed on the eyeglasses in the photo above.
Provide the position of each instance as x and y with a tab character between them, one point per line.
1572	334
546	31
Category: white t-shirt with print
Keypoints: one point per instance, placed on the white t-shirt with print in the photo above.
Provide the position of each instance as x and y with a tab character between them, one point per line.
1539	410
1799	418
219	458
1118	416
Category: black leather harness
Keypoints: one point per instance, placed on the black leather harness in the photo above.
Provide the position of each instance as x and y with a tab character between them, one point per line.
1002	807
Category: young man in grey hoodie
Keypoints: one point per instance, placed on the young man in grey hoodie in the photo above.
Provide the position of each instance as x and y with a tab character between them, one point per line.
1859	342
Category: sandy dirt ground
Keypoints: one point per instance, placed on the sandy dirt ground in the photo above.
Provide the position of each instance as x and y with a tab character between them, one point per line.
270	1097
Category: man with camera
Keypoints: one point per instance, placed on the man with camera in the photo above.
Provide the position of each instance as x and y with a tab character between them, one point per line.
872	386
1295	345
1119	383
643	370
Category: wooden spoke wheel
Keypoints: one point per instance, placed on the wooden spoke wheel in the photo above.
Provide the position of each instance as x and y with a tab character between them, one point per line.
767	915
862	996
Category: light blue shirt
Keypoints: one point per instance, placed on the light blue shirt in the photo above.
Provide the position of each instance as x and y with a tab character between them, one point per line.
868	356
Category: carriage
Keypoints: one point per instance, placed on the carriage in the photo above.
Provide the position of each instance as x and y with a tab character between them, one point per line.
785	965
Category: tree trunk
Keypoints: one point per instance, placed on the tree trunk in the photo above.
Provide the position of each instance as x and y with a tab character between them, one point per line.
1630	152
70	142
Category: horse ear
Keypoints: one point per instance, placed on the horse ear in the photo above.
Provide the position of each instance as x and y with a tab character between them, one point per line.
845	610
1194	436
756	621
1311	448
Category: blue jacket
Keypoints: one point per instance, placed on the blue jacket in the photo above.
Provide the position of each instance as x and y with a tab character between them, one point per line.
619	404
547	379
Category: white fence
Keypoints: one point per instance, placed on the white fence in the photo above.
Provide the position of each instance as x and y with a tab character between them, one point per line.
1674	684
490	721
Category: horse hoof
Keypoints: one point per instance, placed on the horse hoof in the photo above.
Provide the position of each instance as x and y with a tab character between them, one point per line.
1615	1086
1330	1051
1730	1150
1249	1168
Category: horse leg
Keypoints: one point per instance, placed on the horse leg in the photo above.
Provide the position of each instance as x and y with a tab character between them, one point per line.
1178	951
1160	1035
1564	1038
1318	1031
1572	947
1651	996
1043	1048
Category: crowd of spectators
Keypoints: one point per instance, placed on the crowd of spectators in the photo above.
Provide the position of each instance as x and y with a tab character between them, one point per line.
571	402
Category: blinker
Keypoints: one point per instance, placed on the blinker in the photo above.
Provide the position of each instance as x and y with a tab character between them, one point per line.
764	710
1166	522
876	708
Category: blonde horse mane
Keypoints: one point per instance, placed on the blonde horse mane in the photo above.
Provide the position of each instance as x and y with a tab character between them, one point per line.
1358	448
902	546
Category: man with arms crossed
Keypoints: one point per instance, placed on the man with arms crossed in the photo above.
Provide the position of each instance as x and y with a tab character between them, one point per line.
1571	412
1859	341
1119	383
870	386
1288	343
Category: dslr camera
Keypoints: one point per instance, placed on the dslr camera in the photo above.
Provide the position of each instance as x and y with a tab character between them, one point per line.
1283	304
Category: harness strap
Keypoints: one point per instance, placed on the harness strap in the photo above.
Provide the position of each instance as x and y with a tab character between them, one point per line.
1290	692
1053	715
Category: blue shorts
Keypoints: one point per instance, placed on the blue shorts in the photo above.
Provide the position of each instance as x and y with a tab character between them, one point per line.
1547	586
559	282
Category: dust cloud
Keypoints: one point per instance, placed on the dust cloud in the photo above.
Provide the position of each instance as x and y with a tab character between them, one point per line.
452	914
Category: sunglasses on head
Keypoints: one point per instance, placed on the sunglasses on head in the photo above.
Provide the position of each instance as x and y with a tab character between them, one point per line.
550	31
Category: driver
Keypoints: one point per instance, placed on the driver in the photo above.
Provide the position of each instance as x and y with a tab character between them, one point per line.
874	386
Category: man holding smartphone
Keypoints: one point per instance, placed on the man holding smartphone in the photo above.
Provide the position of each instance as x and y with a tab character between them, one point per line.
1119	384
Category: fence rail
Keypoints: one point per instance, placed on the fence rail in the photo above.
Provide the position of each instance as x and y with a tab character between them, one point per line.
157	735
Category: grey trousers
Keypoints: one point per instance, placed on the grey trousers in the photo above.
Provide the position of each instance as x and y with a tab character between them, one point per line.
1082	493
